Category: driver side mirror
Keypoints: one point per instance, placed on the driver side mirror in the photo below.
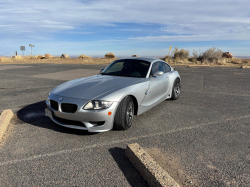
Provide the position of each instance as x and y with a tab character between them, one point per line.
101	70
158	73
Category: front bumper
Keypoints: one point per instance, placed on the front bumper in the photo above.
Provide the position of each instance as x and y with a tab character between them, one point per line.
91	120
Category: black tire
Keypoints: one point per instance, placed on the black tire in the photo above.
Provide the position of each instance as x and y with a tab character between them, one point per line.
176	91
124	114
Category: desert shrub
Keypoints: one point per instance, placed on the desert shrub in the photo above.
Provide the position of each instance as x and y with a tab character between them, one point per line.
198	55
64	56
30	57
110	55
48	56
180	55
166	58
39	56
5	59
212	55
83	56
17	57
195	54
33	57
193	59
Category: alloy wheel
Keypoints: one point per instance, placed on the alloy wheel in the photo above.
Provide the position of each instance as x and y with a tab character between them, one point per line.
130	113
177	89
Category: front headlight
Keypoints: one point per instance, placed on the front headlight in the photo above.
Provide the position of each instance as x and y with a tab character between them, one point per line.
97	105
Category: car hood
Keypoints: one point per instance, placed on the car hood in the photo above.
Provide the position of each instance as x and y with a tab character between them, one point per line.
92	87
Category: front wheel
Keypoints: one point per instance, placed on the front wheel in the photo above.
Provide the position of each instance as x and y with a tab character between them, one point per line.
176	91
124	114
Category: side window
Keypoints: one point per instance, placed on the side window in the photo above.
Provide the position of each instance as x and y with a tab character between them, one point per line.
157	66
154	68
167	68
161	67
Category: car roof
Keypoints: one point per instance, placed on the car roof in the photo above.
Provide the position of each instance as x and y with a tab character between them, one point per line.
148	59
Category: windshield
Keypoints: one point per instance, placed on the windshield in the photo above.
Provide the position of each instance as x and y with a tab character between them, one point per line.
128	68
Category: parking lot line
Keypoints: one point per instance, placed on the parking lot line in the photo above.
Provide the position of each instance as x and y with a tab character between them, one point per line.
119	141
221	93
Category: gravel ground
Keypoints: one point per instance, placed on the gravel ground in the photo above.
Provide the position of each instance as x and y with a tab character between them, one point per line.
202	139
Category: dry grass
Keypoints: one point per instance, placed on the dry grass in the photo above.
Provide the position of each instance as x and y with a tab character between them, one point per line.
234	62
83	56
4	59
56	60
212	56
238	61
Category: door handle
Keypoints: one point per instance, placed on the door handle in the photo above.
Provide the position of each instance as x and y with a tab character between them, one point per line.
166	77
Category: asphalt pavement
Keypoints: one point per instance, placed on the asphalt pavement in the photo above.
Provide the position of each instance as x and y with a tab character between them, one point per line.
202	138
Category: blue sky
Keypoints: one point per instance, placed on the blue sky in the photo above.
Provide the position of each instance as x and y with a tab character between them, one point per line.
142	27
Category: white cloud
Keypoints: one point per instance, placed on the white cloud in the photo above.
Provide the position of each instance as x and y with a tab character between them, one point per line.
180	20
195	37
74	12
57	26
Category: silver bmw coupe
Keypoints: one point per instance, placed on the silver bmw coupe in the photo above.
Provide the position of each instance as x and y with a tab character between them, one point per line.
125	88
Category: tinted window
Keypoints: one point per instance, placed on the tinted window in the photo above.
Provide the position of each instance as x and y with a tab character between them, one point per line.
157	66
117	67
128	67
167	68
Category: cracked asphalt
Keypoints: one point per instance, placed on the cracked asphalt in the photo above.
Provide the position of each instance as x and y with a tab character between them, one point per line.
203	136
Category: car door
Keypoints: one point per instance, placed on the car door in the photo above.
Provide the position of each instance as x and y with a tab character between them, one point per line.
158	87
167	74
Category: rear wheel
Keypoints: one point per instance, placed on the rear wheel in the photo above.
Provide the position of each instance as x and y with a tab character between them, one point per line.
124	114
176	91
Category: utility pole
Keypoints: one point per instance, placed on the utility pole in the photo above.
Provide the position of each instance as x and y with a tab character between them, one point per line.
22	48
31	48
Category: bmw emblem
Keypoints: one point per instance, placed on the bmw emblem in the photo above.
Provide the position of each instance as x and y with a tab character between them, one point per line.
61	99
